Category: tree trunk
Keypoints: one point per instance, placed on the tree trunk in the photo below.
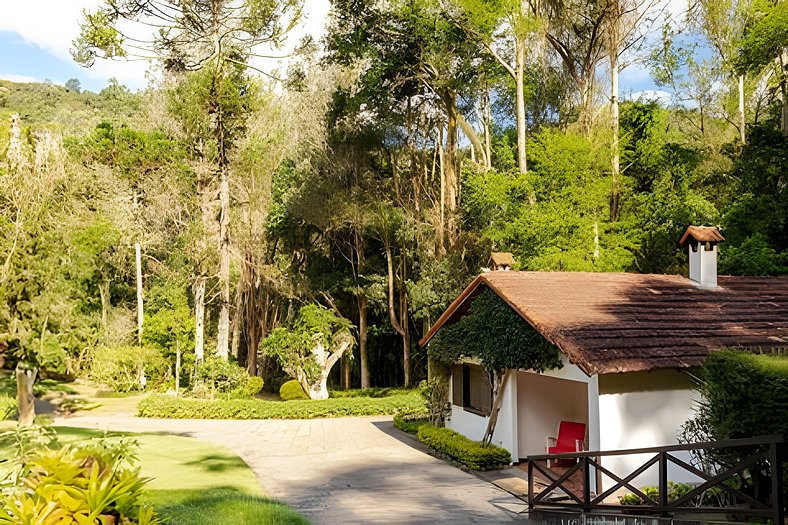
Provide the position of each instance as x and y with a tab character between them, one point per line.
199	319
362	341
403	315
345	383
104	293
318	389
742	117
237	317
520	96
177	366
441	230
487	125
476	144
400	326
784	89
138	259
25	401
616	168
223	340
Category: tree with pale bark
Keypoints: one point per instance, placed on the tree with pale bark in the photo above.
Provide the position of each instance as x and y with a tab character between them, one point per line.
309	350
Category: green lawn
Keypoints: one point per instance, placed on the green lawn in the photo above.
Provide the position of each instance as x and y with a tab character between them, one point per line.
198	483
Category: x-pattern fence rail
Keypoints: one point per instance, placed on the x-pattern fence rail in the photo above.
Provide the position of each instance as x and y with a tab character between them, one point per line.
748	471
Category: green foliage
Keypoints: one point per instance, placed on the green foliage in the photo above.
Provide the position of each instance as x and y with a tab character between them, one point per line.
766	36
436	398
292	390
410	422
220	376
496	335
91	483
184	408
369	392
470	453
744	395
7	408
293	348
675	491
120	367
755	256
253	386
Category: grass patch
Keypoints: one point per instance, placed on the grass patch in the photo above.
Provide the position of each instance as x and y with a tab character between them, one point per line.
195	482
228	506
187	408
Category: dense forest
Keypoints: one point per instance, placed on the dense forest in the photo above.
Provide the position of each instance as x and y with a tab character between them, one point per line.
375	175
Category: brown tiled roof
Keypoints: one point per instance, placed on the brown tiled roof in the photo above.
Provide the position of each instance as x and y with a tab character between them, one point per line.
702	234
619	322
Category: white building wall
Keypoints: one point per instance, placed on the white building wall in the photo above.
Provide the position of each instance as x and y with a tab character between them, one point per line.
473	425
643	409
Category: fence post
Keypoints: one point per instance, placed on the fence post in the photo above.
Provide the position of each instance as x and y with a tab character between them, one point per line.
586	484
776	460
663	483
530	485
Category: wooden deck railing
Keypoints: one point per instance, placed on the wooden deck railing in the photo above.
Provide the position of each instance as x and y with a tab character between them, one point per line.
749	472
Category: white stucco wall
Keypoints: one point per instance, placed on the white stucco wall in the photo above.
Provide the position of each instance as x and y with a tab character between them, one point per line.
643	409
473	425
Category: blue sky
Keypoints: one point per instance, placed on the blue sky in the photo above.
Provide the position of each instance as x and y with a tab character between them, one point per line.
35	38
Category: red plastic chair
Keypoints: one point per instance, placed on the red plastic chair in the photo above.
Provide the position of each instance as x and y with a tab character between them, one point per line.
571	437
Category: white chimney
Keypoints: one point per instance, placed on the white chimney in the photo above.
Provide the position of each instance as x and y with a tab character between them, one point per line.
702	242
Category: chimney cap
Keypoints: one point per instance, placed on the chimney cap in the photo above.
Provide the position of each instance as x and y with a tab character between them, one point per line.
698	234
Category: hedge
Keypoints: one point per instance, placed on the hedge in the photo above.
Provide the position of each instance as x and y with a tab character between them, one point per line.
189	408
410	422
746	394
470	453
291	391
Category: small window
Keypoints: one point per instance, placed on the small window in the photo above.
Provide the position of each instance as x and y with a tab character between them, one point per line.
471	389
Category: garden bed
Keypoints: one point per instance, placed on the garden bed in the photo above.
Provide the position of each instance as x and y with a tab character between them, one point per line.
160	406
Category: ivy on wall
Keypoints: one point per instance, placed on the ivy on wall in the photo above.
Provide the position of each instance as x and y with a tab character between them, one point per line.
495	334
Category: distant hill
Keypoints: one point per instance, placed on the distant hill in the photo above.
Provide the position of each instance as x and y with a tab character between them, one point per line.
54	107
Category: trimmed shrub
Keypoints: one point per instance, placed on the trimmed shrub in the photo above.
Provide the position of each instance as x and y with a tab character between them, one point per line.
189	408
369	392
411	422
292	390
219	376
470	453
119	367
745	394
253	386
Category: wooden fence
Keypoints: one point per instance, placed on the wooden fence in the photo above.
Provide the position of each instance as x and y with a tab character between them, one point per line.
741	477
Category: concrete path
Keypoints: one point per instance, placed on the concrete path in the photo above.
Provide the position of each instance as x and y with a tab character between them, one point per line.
344	470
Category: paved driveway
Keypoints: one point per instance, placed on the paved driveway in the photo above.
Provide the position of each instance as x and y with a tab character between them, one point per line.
343	471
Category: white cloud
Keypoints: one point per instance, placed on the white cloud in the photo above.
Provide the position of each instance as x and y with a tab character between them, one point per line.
18	78
645	95
52	25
